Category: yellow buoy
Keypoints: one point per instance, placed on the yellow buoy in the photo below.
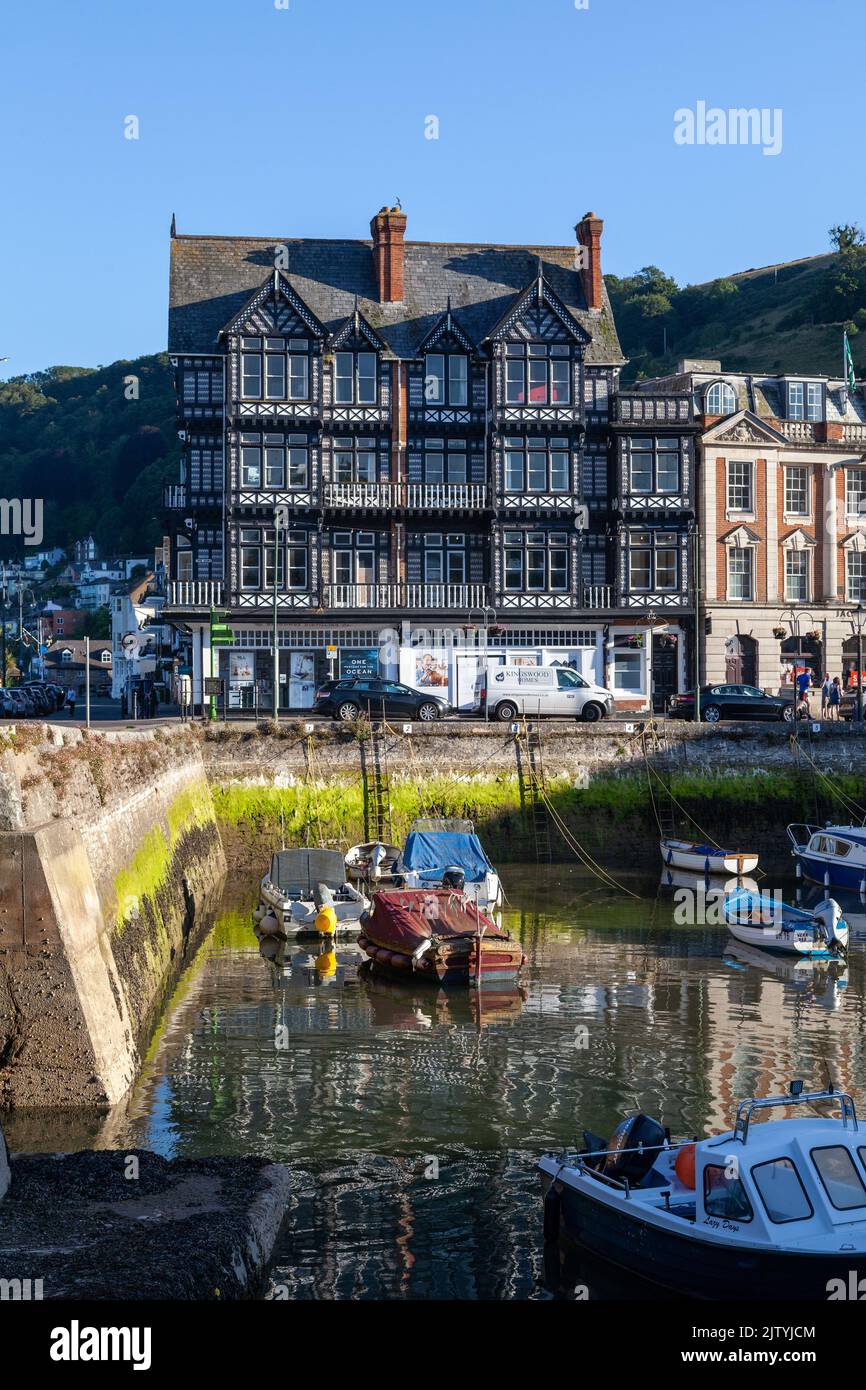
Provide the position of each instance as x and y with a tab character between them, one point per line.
326	965
326	921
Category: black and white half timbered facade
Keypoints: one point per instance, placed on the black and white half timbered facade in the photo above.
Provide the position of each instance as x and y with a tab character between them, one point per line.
414	456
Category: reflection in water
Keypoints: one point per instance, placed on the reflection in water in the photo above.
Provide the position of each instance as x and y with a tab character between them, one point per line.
412	1116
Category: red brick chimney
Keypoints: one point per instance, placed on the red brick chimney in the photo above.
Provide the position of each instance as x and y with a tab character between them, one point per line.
387	229
588	232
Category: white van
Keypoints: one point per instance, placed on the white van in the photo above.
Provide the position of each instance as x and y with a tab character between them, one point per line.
536	690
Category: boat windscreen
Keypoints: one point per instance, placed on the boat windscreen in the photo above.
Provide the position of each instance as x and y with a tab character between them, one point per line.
430	854
299	871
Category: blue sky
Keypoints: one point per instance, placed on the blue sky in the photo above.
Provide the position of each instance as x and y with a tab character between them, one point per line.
303	121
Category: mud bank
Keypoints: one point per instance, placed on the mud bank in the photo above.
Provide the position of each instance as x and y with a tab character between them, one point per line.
136	1226
110	858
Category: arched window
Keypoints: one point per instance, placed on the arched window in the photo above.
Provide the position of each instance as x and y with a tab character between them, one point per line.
720	399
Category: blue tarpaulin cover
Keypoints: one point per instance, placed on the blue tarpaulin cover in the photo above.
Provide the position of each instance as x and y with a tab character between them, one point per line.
431	854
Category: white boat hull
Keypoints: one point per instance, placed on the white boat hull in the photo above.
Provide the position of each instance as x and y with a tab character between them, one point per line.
705	859
789	943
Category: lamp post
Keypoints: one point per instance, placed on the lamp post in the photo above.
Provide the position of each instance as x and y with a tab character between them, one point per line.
278	520
488	616
857	616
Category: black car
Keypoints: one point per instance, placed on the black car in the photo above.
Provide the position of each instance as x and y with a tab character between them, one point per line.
54	694
732	702
347	699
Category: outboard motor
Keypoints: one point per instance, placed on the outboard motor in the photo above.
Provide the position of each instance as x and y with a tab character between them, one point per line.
454	877
833	925
638	1131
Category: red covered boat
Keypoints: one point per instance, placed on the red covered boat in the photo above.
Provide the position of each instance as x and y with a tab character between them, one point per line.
437	934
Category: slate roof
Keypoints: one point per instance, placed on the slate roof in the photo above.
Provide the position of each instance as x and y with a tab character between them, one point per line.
213	277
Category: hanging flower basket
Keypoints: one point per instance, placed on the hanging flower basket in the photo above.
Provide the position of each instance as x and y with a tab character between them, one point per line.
635	639
667	639
780	632
495	630
814	635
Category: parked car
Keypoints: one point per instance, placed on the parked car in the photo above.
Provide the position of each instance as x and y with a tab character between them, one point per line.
53	693
347	699
552	690
17	703
732	702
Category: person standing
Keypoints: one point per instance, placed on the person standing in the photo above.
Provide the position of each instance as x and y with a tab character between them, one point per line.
825	694
835	698
70	701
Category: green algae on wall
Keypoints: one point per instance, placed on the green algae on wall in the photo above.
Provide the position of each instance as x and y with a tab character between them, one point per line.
152	862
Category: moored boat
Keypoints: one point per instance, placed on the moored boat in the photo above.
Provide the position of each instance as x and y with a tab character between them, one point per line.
707	859
833	855
305	893
437	934
372	862
759	919
774	1210
447	853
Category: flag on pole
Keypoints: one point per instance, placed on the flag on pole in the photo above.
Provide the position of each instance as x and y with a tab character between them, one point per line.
850	378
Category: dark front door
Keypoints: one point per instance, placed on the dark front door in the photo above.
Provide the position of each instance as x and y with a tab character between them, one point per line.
665	662
741	661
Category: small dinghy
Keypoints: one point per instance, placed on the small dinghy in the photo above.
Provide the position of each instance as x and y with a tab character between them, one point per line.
438	853
757	919
707	859
770	1211
437	934
305	893
371	863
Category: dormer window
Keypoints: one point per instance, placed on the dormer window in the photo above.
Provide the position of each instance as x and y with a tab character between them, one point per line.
537	374
275	369
720	399
446	379
805	400
355	378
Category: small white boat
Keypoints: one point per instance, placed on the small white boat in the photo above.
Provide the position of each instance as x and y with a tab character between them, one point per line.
766	1211
757	919
707	859
299	885
372	862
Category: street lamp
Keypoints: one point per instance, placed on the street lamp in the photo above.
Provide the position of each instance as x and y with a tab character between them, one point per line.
278	520
857	616
488	616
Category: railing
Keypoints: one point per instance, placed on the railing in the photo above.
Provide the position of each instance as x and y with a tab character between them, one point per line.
798	431
598	596
194	593
644	408
399	595
821	432
407	496
174	496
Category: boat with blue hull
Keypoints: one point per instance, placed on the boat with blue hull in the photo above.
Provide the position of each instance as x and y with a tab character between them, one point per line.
833	855
763	920
774	1210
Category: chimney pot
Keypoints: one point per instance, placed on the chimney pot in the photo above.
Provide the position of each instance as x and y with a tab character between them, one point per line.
588	232
387	230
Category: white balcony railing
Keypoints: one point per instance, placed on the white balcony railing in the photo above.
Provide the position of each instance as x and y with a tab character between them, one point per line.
194	593
408	496
174	496
395	595
598	596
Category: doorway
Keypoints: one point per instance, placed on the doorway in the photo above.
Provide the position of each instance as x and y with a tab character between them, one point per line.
741	660
666	655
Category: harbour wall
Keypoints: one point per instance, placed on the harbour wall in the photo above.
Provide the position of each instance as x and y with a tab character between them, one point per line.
110	857
604	785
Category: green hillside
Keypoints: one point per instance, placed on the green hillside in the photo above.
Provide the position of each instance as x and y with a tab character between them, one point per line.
70	435
97	459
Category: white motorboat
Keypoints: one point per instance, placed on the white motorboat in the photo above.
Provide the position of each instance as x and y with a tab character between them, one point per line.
766	1211
441	853
762	920
371	863
300	888
833	855
707	859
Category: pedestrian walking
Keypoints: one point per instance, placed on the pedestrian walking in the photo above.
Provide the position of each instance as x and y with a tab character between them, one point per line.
834	699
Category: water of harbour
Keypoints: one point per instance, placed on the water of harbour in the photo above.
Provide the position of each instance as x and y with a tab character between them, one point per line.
411	1118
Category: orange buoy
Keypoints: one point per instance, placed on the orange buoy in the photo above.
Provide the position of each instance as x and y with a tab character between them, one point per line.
684	1167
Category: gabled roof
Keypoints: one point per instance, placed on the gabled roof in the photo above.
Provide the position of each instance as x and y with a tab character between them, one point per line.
214	278
539	295
447	325
356	327
272	289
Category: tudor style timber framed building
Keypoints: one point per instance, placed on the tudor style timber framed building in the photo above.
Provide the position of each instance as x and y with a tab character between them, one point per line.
391	437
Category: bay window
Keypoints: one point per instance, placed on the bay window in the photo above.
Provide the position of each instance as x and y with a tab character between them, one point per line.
274	461
275	369
536	465
535	561
537	374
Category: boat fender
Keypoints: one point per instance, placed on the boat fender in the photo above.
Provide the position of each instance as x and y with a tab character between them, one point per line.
270	924
684	1166
259	912
552	1214
326	921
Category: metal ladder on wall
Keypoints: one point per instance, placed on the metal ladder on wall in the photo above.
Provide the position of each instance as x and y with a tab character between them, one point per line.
533	792
377	787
